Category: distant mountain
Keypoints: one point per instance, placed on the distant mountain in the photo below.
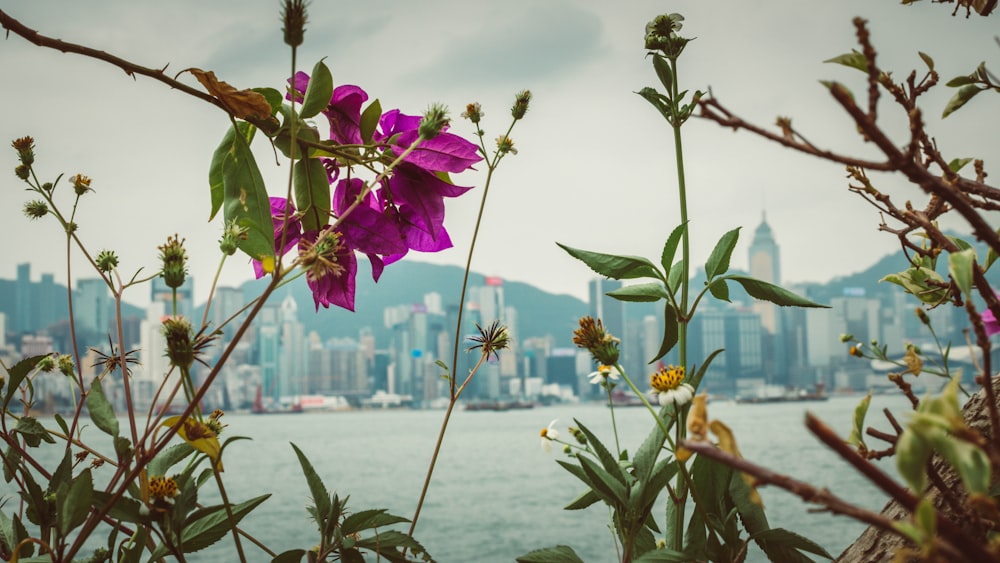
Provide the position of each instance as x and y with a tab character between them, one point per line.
405	283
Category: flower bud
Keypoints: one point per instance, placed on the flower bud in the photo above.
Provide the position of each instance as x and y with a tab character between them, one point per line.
36	209
505	145
106	260
846	337
23	172
25	147
473	112
922	315
434	122
47	186
293	18
48	363
174	262
521	100
856	352
180	348
81	184
66	365
232	234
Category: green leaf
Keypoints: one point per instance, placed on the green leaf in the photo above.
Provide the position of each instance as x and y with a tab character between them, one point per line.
960	266
208	525
855	59
609	461
366	519
12	531
642	292
662	555
16	375
912	453
11	459
586	498
719	289
924	283
101	411
927	60
964	94
32	431
557	554
856	437
765	291
614	266
971	462
320	495
169	457
658	101
957	164
670	332
246	201
781	536
318	92
290	556
125	509
369	120
215	178
611	490
274	98
670	247
991	255
311	188
674	277
73	502
718	260
62	423
662	67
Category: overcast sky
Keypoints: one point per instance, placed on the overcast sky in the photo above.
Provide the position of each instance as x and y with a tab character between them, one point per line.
595	166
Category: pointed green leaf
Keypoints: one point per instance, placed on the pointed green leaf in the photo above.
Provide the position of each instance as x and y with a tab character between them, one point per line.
699	371
367	519
964	94
369	120
215	179
587	498
670	332
718	260
972	463
912	453
961	81
659	101
11	459
720	290
960	266
614	266
663	555
318	92
73	502
125	509
662	67
274	98
12	531
781	536
290	556
16	374
927	60
855	59
643	292
670	247
611	490
856	437
311	188
320	495
161	464
246	201
32	431
991	256
957	164
208	525
609	461
557	554
674	277
765	291
63	473
101	411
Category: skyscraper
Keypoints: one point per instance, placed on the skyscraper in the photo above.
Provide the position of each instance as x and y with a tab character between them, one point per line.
765	265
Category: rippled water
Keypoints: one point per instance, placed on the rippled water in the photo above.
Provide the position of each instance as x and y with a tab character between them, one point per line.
496	494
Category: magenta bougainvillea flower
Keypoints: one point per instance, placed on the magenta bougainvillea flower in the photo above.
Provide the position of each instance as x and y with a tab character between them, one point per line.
404	212
990	322
279	207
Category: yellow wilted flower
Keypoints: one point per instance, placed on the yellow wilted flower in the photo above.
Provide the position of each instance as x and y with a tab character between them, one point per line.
913	362
200	436
727	443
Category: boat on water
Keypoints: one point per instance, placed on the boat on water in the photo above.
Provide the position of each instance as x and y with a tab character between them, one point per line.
260	407
498	405
776	394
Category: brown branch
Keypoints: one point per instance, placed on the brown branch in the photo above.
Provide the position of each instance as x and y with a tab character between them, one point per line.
130	68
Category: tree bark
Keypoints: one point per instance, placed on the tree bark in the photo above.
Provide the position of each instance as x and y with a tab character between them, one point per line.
876	545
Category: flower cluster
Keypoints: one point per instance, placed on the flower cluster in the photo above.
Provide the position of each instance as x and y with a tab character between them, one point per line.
404	212
602	345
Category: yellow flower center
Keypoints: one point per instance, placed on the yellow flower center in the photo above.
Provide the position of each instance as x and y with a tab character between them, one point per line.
162	487
668	378
544	433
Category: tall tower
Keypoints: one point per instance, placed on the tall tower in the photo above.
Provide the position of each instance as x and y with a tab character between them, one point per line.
765	265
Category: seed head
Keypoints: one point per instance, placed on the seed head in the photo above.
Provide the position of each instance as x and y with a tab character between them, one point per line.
66	365
505	145
293	18
434	122
600	343
36	209
232	234
25	147
22	171
106	260
47	364
473	112
180	347
491	340
521	101
174	260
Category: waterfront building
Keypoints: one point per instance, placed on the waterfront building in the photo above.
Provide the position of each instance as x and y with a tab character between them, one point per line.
765	265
